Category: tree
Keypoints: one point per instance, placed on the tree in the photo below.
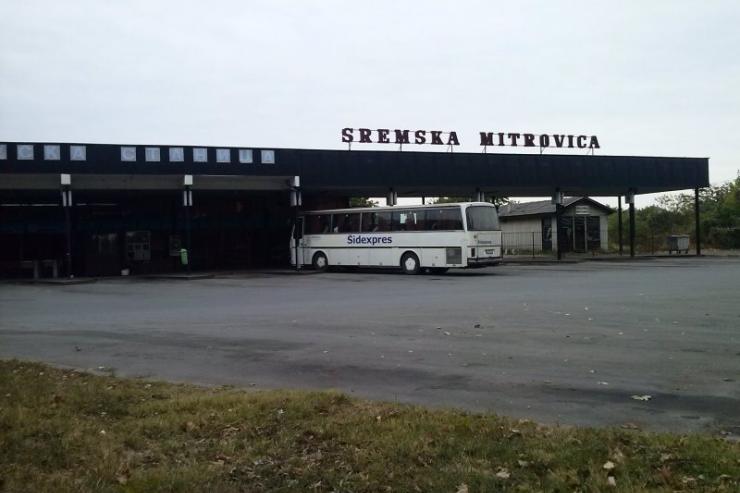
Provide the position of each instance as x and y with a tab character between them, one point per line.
362	202
719	208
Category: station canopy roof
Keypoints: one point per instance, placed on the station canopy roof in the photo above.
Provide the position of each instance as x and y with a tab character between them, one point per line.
345	172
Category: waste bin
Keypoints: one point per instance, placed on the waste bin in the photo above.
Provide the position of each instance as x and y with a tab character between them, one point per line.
678	243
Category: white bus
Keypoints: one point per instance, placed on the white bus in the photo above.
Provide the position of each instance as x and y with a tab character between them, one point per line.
415	238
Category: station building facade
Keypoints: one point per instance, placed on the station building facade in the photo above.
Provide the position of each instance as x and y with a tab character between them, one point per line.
103	209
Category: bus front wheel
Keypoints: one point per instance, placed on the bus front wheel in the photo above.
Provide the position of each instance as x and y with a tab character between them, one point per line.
320	263
410	263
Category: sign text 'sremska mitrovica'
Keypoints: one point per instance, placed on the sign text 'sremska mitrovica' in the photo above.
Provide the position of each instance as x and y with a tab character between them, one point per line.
493	139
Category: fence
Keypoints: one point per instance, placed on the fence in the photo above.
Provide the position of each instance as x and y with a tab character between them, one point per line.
527	243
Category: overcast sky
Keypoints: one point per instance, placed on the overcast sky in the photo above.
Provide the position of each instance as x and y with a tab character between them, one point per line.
647	77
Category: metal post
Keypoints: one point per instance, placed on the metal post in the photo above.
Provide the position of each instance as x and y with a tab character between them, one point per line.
66	190
632	228
697	225
68	228
558	215
295	202
557	199
619	224
532	244
296	233
187	231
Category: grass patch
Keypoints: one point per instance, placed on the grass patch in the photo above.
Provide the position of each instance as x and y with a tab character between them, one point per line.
70	431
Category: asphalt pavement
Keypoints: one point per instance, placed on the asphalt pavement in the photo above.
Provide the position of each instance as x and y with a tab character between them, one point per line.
573	343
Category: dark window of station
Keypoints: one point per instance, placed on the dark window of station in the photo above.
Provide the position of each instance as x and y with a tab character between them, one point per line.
347	222
443	219
376	222
317	224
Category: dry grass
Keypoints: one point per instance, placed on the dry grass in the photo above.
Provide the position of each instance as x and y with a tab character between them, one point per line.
70	431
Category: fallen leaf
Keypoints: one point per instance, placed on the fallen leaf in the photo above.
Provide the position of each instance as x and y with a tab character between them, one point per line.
503	474
608	465
522	463
645	397
611	481
463	488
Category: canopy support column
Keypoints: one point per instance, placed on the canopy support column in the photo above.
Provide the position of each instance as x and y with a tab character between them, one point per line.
619	225
697	225
631	201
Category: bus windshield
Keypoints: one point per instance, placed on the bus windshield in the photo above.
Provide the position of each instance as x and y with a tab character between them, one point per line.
482	218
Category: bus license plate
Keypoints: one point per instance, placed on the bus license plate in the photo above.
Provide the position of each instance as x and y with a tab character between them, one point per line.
489	251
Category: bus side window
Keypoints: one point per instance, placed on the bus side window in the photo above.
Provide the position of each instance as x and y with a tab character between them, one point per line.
444	219
347	222
415	221
376	222
398	220
383	221
313	224
336	219
369	222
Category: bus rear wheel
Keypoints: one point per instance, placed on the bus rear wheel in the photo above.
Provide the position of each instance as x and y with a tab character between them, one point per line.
319	262
410	263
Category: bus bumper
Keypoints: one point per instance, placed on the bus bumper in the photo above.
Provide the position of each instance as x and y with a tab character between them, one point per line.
484	262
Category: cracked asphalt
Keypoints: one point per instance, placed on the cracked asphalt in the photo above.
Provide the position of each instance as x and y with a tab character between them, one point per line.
568	343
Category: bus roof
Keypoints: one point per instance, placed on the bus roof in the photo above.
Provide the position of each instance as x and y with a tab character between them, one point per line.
396	207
